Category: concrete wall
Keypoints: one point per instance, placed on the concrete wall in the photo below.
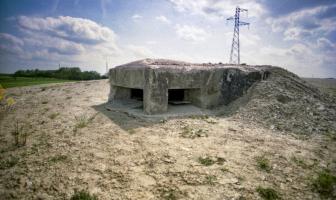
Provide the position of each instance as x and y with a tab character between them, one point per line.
206	88
129	78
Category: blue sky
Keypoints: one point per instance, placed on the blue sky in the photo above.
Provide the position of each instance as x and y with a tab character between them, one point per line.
299	35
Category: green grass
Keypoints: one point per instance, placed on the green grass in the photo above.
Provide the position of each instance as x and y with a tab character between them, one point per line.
83	195
263	163
210	180
11	161
268	193
83	120
58	158
325	183
300	162
8	81
206	161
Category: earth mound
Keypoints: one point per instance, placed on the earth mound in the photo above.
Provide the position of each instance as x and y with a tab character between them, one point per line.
286	102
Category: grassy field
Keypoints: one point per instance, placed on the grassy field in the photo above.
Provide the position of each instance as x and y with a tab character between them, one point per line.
327	85
8	81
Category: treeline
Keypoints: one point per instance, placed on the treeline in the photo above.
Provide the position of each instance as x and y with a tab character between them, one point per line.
68	73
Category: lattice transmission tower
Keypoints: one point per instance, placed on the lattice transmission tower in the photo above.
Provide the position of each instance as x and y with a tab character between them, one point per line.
235	48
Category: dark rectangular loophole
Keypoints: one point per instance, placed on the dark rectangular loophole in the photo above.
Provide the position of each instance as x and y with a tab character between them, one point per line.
137	94
176	95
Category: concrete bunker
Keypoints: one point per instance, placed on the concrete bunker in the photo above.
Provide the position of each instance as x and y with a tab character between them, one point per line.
155	85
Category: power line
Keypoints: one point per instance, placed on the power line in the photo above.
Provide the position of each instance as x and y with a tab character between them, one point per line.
235	48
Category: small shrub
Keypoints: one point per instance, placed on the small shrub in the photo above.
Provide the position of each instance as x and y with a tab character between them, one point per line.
44	102
263	163
325	183
83	195
268	193
206	161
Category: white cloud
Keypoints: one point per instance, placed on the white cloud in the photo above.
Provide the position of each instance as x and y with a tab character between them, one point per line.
67	40
11	39
214	9
191	33
304	23
50	40
54	44
69	28
10	44
326	45
136	17
163	19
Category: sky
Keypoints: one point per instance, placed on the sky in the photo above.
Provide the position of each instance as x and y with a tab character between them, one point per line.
298	35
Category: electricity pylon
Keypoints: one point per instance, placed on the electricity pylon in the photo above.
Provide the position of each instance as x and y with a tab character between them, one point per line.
235	48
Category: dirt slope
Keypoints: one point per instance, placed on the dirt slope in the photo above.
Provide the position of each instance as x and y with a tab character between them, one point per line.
287	103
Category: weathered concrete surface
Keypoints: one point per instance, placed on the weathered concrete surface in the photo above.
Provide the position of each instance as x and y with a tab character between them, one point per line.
206	85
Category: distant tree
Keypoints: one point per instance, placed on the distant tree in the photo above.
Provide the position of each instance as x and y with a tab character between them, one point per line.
69	73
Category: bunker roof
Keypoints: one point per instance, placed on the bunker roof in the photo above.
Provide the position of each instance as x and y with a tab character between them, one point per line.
180	65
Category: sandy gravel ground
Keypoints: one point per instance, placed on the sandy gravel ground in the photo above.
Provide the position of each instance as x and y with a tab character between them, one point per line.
73	143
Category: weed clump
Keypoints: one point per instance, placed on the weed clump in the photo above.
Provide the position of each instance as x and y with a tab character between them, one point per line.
20	136
263	163
58	158
224	169
9	162
325	183
300	162
83	195
188	132
169	194
268	193
6	103
82	121
208	161
211	180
